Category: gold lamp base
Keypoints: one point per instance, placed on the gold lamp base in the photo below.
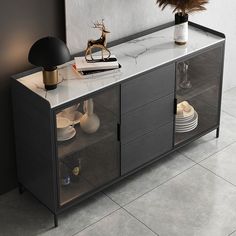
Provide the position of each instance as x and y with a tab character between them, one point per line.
50	79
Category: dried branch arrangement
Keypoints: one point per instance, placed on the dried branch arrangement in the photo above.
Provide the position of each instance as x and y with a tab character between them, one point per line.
183	6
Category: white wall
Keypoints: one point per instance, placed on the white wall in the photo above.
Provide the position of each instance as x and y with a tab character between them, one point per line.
125	17
221	15
122	18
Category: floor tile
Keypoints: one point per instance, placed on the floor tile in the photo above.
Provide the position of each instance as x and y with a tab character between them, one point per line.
233	233
223	163
147	179
18	201
85	214
34	219
196	203
17	222
209	144
229	102
120	223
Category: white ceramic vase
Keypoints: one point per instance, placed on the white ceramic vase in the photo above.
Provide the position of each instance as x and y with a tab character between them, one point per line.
89	122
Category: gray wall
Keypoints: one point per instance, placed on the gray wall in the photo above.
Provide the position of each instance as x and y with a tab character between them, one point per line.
21	23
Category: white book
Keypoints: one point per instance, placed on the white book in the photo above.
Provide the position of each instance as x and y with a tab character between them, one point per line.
82	65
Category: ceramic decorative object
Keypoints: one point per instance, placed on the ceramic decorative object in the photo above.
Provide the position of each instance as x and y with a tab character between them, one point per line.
69	112
89	122
72	114
64	129
183	8
73	164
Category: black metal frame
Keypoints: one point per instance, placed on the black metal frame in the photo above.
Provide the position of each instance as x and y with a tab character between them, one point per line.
54	112
58	209
217	128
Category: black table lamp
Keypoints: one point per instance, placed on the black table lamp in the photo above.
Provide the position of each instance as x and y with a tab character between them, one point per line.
49	52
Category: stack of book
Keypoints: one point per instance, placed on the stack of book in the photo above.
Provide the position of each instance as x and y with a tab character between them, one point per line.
98	65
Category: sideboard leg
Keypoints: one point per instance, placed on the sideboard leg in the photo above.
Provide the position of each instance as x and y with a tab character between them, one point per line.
218	132
21	188
55	220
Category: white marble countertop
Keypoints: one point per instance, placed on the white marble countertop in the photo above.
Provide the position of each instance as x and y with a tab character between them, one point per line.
135	56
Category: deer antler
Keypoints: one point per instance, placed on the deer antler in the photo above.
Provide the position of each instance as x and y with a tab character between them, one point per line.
99	25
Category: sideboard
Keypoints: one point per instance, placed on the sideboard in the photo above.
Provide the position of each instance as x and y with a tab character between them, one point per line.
136	106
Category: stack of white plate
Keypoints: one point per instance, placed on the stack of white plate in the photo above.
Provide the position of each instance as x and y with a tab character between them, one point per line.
187	121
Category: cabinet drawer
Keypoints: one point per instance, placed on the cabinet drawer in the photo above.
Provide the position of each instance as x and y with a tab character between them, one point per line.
146	148
147	118
147	87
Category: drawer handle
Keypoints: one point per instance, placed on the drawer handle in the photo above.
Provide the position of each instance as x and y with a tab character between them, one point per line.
118	131
175	106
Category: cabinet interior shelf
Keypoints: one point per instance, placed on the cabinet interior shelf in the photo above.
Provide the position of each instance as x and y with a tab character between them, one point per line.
83	140
74	190
207	118
198	87
84	184
96	168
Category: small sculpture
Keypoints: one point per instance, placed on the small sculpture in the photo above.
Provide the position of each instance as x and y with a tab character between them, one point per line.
99	43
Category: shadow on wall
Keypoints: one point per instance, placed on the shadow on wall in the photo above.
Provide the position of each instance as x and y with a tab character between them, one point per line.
13	60
19	29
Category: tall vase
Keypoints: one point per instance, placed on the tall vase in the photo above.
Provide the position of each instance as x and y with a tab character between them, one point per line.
89	122
181	28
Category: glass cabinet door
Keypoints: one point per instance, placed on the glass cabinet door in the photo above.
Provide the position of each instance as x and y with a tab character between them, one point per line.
198	89
87	146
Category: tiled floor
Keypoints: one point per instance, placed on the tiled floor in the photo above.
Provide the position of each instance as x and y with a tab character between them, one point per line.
190	193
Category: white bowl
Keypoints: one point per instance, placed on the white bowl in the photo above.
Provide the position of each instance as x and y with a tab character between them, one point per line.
63	122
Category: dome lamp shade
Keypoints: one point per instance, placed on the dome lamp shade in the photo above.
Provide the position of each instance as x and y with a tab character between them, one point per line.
49	52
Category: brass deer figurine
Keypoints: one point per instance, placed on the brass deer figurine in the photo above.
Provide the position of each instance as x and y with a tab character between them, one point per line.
99	43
